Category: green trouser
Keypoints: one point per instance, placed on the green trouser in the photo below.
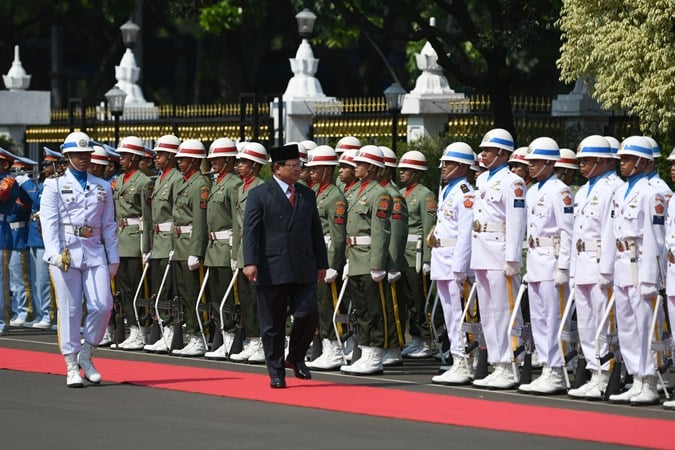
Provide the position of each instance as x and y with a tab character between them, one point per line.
418	322
248	301
395	313
367	301
127	279
188	290
219	281
157	269
326	306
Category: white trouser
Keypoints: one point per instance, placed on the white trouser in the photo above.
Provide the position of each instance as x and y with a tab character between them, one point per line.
451	302
39	284
495	313
590	302
633	319
544	299
18	270
94	284
4	284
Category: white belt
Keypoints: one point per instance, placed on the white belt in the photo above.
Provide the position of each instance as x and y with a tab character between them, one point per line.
160	227
83	231
446	242
221	235
183	229
17	225
413	237
131	220
540	242
327	240
587	246
358	240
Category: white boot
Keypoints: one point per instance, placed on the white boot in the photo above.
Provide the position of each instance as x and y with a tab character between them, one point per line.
195	347
348	368
597	391
670	404
392	357
484	382
371	364
73	378
423	350
331	357
136	339
649	394
625	397
554	383
108	337
258	356
581	391
415	343
246	351
84	360
222	351
163	343
504	377
458	374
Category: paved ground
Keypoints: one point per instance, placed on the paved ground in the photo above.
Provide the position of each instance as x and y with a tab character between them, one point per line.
39	412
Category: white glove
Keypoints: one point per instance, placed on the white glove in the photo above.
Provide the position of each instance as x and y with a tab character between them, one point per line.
112	268
604	280
331	275
233	264
345	271
193	262
393	276
146	257
426	268
56	261
648	290
511	268
378	275
561	277
460	277
572	283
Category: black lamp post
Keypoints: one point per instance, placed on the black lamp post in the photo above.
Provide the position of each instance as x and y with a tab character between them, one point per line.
394	95
305	19
115	98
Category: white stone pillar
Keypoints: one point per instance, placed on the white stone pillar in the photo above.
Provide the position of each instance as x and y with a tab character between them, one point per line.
581	110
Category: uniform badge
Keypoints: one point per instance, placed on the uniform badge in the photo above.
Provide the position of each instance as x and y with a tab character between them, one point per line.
518	192
383	207
396	210
340	213
203	197
464	188
468	201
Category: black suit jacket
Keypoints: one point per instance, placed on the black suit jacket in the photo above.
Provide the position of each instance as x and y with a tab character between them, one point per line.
285	243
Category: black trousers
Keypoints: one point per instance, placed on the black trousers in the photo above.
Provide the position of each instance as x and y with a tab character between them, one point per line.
273	303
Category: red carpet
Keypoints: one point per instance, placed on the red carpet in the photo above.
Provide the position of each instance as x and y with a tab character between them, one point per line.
380	402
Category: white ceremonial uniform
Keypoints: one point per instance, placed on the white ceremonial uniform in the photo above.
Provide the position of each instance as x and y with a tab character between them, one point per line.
639	218
592	239
660	185
65	207
670	258
549	236
453	236
498	232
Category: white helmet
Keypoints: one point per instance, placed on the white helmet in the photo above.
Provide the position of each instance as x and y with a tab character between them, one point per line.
460	152
595	146
347	157
99	156
476	163
133	145
614	145
656	150
671	157
254	151
636	146
389	156
167	143
323	155
191	148
543	148
370	154
222	147
519	156
568	159
309	145
413	160
498	138
77	141
302	151
347	143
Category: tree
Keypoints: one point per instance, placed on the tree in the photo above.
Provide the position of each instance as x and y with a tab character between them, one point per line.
628	49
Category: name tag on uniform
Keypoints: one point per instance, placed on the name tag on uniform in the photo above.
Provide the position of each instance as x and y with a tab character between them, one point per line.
658	220
66	191
519	203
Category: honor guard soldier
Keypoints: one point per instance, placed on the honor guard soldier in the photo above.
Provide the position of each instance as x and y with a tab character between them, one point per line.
133	192
18	261
614	145
332	207
518	164
99	161
9	192
112	169
566	168
191	196
368	231
396	304
348	145
251	159
421	219
450	243
38	267
497	239
166	183
639	211
80	234
549	206
220	214
670	258
592	248
347	181
653	176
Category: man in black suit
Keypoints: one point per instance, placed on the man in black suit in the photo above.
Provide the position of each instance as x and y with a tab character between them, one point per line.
285	256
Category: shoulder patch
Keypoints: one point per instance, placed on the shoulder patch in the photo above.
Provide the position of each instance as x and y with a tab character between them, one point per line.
340	213
464	187
383	206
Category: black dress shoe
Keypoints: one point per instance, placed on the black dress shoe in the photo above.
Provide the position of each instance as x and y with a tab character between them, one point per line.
277	383
299	369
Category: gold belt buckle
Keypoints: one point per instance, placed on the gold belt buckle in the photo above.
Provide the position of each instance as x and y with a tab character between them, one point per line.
476	226
619	245
581	246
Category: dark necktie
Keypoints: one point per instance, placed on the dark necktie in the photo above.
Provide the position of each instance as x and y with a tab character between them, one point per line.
291	196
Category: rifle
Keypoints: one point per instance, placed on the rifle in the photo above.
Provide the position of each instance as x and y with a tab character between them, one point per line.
614	382
666	338
524	333
475	329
